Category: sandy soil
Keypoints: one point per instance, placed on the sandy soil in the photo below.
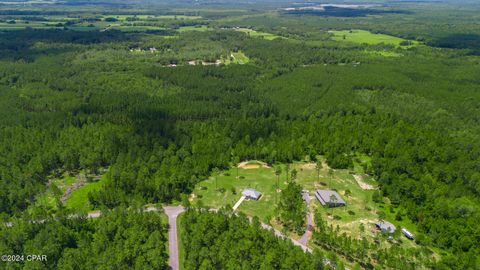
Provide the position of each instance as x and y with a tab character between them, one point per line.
361	183
308	166
246	165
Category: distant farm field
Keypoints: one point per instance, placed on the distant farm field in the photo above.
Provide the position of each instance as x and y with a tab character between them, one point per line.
257	34
366	37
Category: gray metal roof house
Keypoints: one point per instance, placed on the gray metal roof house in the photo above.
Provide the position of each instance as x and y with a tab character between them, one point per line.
251	194
385	226
329	198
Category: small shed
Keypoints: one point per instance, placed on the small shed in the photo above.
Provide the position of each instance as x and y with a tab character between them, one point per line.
407	234
329	198
385	226
251	194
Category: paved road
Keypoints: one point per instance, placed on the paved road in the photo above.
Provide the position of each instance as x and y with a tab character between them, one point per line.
172	213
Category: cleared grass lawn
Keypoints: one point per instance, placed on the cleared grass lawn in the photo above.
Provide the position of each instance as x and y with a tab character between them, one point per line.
262	179
366	37
253	33
360	208
78	200
265	181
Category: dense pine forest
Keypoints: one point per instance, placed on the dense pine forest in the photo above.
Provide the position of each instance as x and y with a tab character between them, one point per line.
133	104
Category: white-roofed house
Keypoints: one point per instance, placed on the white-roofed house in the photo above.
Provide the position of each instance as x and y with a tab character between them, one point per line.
251	194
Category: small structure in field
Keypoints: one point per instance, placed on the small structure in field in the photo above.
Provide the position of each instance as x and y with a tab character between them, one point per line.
251	194
385	226
329	198
407	234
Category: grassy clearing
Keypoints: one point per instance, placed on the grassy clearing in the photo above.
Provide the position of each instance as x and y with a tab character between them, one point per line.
217	191
256	34
78	200
366	37
262	179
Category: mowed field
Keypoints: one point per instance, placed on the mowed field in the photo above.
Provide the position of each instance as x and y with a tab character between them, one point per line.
264	180
366	37
355	187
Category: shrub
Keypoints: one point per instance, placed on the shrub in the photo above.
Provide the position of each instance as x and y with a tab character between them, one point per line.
337	217
350	212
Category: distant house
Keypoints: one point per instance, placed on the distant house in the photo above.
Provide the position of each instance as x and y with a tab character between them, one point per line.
329	198
251	194
385	226
407	234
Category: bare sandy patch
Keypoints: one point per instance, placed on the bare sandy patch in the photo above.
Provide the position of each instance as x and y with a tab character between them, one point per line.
308	166
361	183
252	165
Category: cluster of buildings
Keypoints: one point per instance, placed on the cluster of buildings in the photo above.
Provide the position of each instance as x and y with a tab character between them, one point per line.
331	198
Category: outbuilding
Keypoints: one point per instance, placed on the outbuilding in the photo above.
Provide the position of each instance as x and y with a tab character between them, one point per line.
251	194
385	226
407	234
329	198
